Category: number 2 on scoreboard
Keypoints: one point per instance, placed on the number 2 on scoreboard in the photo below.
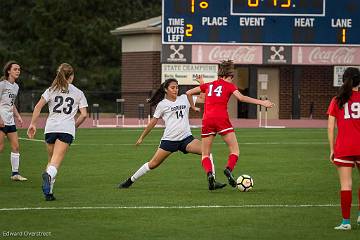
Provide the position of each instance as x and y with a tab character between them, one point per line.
189	29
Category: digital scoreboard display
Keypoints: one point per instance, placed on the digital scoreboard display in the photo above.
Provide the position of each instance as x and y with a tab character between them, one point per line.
262	22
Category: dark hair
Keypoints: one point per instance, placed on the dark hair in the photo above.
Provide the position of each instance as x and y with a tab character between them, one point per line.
6	69
226	68
351	78
63	73
160	93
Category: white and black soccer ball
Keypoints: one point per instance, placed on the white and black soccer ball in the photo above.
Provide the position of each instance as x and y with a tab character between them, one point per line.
244	183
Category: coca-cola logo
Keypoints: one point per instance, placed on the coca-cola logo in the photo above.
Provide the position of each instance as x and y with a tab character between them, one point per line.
238	55
336	56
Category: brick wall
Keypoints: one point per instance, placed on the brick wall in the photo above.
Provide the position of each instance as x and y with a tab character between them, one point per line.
316	86
140	75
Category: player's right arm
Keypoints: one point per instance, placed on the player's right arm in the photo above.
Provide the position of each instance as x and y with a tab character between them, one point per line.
331	135
146	131
36	113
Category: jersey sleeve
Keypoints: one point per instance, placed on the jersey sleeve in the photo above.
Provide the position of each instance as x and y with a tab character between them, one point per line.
158	111
46	95
83	102
1	88
233	88
333	108
203	87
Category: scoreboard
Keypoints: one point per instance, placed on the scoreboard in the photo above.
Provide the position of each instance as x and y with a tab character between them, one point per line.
261	22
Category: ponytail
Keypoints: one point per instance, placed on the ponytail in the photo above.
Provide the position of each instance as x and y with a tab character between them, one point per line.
63	74
159	95
351	79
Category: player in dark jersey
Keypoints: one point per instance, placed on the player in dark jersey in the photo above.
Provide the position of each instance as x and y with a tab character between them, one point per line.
216	118
344	111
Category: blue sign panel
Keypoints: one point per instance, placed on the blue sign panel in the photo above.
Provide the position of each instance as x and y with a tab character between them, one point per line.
262	22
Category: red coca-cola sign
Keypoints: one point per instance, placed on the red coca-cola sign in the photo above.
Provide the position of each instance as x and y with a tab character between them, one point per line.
214	54
326	55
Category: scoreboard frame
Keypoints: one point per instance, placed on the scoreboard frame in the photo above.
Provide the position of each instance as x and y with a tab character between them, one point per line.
333	26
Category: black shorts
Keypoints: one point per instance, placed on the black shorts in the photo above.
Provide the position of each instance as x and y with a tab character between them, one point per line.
8	129
173	146
50	138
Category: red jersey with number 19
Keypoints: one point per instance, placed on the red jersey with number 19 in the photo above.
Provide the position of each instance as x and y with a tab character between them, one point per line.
217	95
348	124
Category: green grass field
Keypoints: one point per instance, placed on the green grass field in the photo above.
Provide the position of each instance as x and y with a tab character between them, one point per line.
295	194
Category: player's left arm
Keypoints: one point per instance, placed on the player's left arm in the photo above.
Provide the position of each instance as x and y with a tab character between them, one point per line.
81	118
243	98
17	115
189	95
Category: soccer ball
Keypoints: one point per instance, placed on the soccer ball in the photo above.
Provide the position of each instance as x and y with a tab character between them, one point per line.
244	183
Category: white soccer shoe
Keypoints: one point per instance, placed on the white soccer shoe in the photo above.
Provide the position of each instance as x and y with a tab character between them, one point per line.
18	177
358	221
343	227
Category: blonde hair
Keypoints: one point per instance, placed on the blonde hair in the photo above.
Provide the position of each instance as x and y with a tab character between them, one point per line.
63	74
7	68
226	68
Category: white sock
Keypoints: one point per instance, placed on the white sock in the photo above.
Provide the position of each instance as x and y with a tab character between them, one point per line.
52	171
52	185
15	160
212	163
141	171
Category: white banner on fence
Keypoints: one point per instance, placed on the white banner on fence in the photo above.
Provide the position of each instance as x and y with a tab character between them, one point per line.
186	73
338	73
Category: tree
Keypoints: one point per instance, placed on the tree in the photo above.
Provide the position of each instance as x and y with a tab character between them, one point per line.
44	33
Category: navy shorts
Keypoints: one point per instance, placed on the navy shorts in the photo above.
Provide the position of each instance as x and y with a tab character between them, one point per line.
50	138
8	129
173	146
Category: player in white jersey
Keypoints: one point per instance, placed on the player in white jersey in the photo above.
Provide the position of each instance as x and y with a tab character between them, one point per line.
174	110
8	92
64	100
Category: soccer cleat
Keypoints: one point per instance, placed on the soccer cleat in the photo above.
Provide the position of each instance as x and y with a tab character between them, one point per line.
50	197
230	177
126	184
46	183
358	220
343	227
18	177
211	180
219	185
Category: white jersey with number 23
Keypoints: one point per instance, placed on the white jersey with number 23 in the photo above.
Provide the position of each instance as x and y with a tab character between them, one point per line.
63	106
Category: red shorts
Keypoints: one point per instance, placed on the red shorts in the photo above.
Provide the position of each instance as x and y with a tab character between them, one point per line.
215	126
350	161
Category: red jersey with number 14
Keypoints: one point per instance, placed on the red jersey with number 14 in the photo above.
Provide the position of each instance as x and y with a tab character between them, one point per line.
348	124
217	95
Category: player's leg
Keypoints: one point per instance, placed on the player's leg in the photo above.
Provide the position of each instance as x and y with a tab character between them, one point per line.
57	152
15	156
358	168
231	141
206	145
345	176
195	147
2	140
159	156
50	170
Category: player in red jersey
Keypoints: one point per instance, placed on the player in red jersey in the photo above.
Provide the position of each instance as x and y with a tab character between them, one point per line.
216	118
344	111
